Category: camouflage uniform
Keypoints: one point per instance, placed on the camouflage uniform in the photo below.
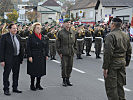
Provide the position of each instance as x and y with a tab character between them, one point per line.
117	54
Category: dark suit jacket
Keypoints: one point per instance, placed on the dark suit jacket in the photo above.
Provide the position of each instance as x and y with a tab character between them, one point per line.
7	50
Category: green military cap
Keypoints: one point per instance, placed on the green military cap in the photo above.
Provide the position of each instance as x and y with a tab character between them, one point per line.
52	27
82	24
88	25
29	24
96	25
46	23
79	25
66	20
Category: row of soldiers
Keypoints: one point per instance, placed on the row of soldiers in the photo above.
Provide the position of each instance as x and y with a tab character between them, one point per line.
85	35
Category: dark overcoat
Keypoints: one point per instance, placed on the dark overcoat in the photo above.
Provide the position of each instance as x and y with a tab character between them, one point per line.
38	50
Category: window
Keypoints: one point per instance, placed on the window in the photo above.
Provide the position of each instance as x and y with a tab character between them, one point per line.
113	9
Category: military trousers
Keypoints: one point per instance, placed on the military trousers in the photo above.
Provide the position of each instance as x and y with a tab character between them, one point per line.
98	47
52	48
79	47
66	65
114	83
88	44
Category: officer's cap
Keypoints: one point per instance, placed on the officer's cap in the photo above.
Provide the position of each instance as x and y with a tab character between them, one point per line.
66	20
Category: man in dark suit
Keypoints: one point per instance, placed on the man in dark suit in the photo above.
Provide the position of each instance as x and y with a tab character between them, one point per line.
11	56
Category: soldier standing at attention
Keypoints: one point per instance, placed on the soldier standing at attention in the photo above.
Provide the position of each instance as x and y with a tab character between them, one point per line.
79	42
98	41
88	40
52	42
66	45
117	54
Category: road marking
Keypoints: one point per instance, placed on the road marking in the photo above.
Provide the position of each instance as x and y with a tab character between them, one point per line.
126	89
56	61
80	71
100	79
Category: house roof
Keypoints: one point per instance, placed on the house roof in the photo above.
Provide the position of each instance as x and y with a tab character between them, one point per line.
82	4
50	3
117	3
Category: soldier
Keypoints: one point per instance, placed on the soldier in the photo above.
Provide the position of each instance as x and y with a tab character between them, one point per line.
98	41
52	42
66	45
88	40
46	29
117	54
79	42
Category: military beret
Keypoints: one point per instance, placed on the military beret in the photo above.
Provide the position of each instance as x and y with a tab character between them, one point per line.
96	25
82	24
117	20
79	25
66	20
46	22
52	27
88	25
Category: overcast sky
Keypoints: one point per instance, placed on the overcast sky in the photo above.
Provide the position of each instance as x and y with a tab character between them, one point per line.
25	0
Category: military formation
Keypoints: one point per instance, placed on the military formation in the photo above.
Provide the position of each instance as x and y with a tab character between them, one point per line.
85	35
71	39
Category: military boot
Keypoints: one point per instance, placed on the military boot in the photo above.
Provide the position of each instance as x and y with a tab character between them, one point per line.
96	56
77	56
64	83
80	57
68	82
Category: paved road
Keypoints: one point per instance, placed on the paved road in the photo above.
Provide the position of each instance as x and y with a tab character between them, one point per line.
86	77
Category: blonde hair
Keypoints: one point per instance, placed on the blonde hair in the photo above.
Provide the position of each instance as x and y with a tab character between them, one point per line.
34	26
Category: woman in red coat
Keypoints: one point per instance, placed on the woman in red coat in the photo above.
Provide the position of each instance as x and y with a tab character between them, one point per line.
37	53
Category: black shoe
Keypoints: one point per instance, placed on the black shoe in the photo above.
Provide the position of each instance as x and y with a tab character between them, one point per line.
6	92
51	59
32	88
99	57
89	55
80	58
17	91
39	87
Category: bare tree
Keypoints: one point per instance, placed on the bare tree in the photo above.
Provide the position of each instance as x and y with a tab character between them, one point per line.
5	6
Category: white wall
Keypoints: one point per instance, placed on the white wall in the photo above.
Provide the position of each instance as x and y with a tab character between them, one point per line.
89	14
124	12
105	11
46	13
